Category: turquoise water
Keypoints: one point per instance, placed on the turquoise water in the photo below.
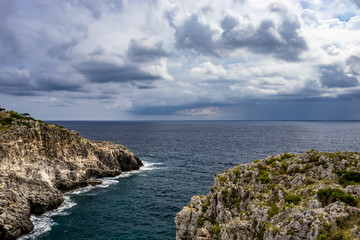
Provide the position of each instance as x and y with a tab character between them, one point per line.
181	159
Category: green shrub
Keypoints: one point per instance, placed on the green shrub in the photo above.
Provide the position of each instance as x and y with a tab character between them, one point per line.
309	181
274	210
340	222
292	199
216	230
340	172
297	169
284	166
205	206
224	194
201	221
264	177
287	155
237	170
275	231
342	236
330	195
6	121
349	178
314	158
222	179
25	123
272	160
16	115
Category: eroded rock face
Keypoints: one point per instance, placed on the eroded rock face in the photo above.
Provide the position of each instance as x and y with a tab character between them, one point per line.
313	195
39	161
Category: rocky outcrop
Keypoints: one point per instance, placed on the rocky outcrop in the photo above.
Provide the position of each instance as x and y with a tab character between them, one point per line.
40	161
313	195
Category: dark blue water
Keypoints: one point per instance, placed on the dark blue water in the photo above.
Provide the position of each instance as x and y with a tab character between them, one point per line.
181	158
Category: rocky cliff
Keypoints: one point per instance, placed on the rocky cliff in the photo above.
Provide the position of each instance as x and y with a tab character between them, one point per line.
313	195
39	161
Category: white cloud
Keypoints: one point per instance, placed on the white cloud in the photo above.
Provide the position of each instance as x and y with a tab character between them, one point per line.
207	70
199	111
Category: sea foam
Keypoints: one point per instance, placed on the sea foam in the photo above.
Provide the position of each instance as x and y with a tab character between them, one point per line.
44	222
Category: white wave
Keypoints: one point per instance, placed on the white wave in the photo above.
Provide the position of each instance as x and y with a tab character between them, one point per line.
43	223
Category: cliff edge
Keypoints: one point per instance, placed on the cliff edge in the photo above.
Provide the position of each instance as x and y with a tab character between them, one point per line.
40	161
313	195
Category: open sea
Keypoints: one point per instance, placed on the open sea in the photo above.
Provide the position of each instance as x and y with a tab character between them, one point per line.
181	158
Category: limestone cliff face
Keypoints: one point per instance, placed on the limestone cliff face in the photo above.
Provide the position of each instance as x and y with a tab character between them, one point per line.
39	161
313	195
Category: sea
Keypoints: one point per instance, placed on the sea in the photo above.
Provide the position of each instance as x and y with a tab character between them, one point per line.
180	159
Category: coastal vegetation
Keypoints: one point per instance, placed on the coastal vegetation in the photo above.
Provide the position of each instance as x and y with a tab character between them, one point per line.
11	118
312	195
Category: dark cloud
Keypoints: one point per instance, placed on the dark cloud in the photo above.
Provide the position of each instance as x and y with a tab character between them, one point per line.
95	7
195	35
143	84
103	72
9	44
357	2
228	23
13	78
353	64
264	39
168	110
146	50
63	51
56	82
333	109
282	41
98	51
21	82
333	76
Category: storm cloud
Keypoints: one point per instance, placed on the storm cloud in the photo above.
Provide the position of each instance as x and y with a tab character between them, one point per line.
146	50
103	72
333	76
229	59
281	40
195	35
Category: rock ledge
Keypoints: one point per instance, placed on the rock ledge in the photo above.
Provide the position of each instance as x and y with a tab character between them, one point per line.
40	161
313	195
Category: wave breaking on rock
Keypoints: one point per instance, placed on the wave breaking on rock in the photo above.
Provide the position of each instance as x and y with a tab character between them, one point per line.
41	161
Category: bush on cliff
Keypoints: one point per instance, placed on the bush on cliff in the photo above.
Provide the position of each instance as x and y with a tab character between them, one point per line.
292	199
330	195
350	178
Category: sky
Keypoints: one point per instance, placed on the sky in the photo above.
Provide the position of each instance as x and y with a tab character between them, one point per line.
181	60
